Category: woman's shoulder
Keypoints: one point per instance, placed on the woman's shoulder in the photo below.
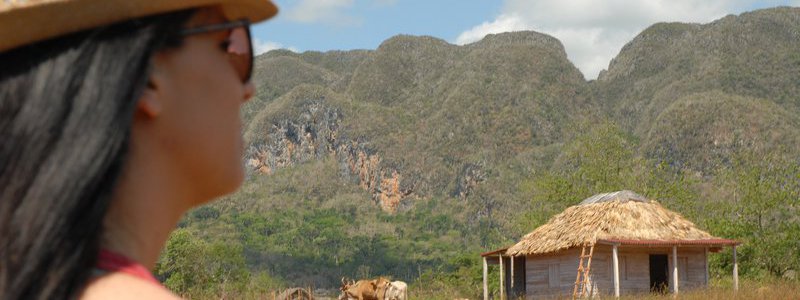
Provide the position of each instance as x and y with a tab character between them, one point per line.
122	286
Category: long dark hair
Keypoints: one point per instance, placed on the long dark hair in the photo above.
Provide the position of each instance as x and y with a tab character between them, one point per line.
66	107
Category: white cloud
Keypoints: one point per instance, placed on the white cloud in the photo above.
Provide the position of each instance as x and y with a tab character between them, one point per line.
260	47
503	23
594	31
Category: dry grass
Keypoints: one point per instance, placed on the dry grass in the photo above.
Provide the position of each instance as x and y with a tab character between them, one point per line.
620	218
748	289
773	290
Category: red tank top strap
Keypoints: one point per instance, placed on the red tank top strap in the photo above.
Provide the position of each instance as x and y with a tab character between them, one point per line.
115	262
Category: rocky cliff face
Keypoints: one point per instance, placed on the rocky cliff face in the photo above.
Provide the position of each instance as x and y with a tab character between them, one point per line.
310	135
314	134
469	178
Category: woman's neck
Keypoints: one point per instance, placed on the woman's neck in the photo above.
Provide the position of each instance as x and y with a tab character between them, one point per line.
149	200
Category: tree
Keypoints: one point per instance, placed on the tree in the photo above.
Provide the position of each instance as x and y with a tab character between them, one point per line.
763	211
602	160
190	265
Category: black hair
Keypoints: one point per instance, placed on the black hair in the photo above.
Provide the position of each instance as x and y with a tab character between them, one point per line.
66	108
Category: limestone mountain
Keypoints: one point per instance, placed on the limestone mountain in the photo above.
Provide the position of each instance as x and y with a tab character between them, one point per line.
420	118
277	72
422	112
419	154
754	55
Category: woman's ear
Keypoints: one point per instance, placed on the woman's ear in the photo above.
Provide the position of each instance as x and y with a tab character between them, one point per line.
151	101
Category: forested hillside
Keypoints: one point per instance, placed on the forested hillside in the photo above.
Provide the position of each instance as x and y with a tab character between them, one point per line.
411	159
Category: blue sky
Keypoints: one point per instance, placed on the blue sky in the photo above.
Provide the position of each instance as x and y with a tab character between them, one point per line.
592	31
365	24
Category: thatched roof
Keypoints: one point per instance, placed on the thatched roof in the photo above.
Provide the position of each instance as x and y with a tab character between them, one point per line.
619	215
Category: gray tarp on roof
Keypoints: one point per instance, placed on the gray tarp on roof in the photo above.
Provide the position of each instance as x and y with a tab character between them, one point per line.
621	196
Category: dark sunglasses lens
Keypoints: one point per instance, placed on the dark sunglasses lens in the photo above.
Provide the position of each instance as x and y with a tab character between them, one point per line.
241	52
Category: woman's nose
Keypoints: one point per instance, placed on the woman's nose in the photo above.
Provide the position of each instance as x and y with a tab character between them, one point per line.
249	91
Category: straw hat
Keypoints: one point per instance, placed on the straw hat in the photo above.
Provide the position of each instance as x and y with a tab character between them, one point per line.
26	21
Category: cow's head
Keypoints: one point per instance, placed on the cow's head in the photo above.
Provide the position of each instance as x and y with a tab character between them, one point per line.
357	289
346	284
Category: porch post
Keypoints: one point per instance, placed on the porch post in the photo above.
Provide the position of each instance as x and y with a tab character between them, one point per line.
502	274
735	271
485	279
616	270
706	266
512	274
675	269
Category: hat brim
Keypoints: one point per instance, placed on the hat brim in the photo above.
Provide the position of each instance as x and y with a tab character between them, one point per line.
27	22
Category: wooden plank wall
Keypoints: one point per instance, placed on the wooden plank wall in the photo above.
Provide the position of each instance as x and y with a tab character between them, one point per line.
634	270
538	281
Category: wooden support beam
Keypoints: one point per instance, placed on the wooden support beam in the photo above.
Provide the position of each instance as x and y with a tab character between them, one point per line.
675	269
616	270
485	279
706	258
512	274
735	271
502	284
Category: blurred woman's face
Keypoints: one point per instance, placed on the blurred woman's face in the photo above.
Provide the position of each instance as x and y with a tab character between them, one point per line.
199	122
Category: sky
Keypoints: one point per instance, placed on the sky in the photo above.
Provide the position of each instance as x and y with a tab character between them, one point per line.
592	31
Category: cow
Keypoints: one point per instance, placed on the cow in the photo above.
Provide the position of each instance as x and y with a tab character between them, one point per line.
396	290
364	289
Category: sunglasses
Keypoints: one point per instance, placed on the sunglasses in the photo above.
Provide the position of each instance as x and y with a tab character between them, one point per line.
238	44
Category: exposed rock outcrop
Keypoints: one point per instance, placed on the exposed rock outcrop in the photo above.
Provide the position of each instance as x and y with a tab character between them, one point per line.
470	177
312	135
315	134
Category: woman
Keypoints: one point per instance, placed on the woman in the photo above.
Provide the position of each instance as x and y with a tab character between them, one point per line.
116	117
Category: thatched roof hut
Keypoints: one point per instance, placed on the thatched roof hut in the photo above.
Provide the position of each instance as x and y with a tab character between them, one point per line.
619	215
610	243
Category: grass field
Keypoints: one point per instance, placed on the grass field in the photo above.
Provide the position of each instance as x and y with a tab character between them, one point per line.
771	290
721	289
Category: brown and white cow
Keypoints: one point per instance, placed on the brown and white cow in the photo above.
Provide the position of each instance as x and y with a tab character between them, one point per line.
364	289
377	289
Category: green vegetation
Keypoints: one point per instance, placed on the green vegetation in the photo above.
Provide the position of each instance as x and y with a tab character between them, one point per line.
294	236
196	268
761	208
494	138
600	160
